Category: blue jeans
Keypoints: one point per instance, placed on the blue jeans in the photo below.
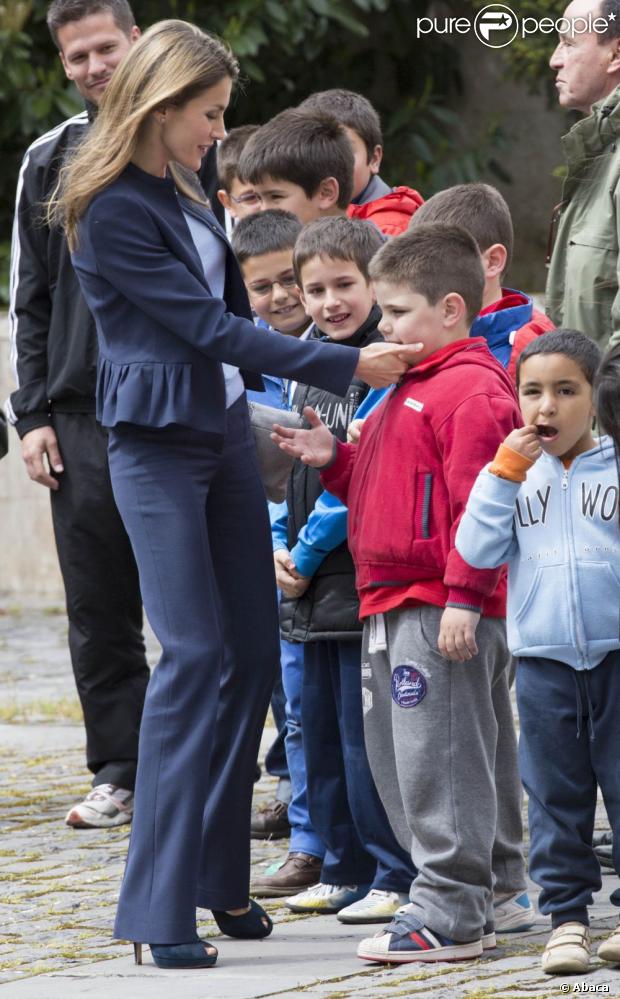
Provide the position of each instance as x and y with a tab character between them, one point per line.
303	837
276	762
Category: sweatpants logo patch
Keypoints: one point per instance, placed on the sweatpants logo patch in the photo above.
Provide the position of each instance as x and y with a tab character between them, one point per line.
408	686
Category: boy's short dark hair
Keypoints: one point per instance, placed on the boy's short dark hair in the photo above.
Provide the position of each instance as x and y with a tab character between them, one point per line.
479	208
265	232
337	238
303	148
434	260
350	109
570	343
62	12
229	153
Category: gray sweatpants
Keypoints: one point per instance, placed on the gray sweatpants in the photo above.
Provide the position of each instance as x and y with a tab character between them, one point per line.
442	749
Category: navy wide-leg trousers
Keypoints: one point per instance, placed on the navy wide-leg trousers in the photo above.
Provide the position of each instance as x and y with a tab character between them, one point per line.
197	520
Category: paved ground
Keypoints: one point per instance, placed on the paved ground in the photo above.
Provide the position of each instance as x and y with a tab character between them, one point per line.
59	887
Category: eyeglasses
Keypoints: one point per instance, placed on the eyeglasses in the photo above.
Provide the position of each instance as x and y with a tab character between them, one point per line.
251	198
266	287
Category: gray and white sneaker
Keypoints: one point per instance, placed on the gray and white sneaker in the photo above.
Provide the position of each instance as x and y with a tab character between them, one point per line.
103	807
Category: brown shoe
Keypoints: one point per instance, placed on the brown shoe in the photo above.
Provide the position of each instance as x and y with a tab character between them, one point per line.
270	821
299	871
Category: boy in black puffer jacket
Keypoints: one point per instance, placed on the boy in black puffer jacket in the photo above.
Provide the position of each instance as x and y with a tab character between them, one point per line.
366	874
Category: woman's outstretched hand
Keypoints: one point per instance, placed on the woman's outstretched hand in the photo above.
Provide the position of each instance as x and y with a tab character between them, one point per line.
382	364
315	446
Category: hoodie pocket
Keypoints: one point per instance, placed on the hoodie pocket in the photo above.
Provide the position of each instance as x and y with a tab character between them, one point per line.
599	592
544	616
401	527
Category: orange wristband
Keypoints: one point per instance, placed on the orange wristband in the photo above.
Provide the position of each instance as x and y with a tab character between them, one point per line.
509	464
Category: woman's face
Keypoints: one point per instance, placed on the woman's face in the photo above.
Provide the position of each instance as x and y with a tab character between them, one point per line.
189	131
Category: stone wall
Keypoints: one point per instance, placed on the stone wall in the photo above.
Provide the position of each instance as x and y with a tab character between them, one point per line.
28	563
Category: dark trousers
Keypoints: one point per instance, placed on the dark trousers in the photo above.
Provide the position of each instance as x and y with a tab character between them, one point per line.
104	605
345	809
569	743
197	519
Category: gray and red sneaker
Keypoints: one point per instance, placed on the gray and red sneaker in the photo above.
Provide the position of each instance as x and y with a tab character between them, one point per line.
104	807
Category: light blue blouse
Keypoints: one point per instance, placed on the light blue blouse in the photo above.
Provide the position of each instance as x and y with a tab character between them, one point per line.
212	253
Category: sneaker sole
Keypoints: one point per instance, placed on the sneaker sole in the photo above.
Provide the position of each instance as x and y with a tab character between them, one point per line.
519	928
437	954
75	821
489	941
263	891
364	918
322	911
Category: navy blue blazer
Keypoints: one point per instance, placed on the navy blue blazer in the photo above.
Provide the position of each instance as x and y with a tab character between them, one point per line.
162	335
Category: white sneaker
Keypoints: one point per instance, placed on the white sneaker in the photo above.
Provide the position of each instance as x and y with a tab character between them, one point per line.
609	950
568	950
378	906
513	913
325	898
105	806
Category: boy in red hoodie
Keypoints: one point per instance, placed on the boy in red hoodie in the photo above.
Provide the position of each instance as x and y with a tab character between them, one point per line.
389	208
435	661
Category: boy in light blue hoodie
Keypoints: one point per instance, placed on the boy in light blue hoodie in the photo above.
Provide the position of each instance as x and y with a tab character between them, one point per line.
548	505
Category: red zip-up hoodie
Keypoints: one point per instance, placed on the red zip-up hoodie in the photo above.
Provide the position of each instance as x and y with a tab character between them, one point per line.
407	481
391	213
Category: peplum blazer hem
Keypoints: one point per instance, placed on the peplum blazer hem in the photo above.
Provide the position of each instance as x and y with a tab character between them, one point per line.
155	394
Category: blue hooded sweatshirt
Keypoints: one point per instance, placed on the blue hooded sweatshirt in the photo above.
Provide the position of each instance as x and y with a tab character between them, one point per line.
559	533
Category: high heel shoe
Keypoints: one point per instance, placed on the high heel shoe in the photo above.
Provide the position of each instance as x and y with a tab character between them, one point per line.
251	925
185	955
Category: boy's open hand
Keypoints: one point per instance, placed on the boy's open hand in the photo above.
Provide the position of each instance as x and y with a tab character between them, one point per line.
525	441
457	634
382	364
315	446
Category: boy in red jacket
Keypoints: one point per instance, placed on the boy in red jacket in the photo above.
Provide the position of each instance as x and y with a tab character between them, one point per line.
390	208
435	661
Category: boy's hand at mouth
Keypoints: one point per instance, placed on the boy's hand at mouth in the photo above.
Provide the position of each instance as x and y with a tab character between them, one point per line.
525	441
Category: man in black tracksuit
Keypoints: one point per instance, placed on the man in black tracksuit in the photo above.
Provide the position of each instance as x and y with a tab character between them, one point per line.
54	355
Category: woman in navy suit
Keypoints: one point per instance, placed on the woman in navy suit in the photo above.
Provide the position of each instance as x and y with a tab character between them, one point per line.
177	350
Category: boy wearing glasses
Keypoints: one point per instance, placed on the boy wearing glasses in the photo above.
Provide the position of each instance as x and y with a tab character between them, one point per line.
238	198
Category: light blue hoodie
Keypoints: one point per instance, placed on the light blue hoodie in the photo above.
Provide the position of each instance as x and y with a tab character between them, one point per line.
558	531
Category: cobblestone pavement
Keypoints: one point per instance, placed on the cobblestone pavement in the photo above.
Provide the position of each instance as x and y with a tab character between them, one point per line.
59	887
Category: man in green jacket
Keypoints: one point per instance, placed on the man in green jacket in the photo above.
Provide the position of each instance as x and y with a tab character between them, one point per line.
583	286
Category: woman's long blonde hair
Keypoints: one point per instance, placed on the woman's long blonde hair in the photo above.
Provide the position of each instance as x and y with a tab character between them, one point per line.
170	64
